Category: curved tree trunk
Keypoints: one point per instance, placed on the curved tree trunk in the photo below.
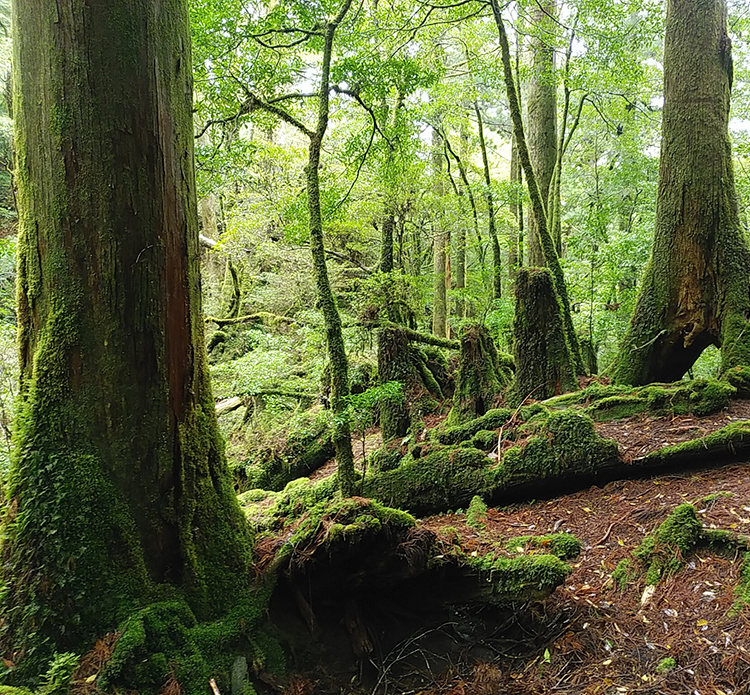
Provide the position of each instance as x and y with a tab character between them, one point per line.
696	290
119	481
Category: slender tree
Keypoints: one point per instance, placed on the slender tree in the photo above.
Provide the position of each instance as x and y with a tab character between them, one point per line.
119	482
696	289
541	110
551	258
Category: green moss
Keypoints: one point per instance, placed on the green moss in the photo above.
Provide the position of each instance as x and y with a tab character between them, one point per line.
522	578
563	545
166	637
271	465
665	665
613	402
385	458
567	443
739	378
441	478
616	407
663	553
484	440
476	514
491	420
623	574
480	377
742	592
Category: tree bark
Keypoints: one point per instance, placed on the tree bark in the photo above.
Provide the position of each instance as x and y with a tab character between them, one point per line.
551	258
119	482
541	109
491	225
696	289
544	366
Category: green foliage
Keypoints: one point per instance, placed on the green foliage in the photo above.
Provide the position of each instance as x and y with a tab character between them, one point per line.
57	679
165	639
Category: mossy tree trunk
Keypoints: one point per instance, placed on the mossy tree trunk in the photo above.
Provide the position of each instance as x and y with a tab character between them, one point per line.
399	361
339	365
440	248
497	271
544	365
551	259
119	481
541	110
696	289
479	379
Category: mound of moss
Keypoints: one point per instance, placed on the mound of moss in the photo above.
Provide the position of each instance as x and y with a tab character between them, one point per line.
663	553
165	641
524	578
566	444
562	545
491	420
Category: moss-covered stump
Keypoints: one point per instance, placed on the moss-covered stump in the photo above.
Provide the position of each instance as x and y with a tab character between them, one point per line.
612	402
544	365
398	361
480	378
272	465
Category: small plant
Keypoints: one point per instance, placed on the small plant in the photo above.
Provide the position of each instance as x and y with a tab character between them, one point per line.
57	679
476	515
666	665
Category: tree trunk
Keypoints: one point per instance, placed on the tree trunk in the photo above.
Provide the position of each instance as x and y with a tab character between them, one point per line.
479	379
119	482
541	109
551	258
515	256
696	289
544	366
440	250
491	225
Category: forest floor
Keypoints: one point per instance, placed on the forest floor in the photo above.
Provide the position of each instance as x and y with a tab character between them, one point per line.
590	637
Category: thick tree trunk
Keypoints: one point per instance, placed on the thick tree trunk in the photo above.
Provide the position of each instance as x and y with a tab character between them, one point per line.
696	290
541	110
119	481
544	366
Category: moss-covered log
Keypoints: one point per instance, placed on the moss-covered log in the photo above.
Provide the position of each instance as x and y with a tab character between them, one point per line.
544	365
482	374
119	482
696	288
